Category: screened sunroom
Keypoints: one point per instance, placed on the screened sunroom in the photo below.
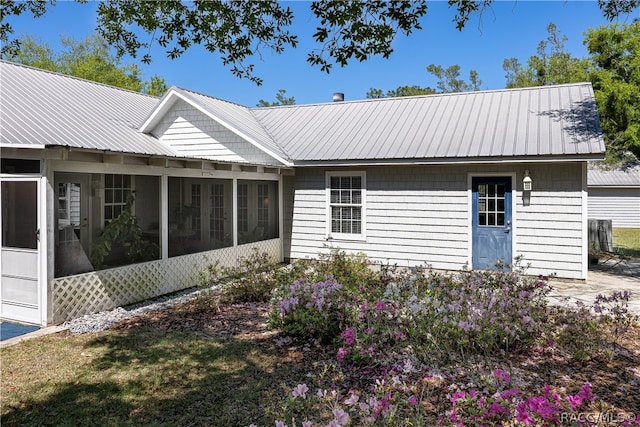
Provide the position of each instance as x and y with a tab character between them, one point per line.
112	220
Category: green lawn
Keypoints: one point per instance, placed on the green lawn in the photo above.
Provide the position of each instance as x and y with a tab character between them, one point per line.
141	377
627	241
213	361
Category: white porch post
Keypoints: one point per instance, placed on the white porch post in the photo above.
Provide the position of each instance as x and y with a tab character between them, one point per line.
164	216
281	214
43	245
234	196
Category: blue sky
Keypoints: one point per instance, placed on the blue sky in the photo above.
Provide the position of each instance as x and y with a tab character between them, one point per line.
508	29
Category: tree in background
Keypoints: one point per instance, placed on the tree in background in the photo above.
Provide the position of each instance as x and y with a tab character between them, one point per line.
613	68
552	64
90	59
281	99
448	81
615	75
400	91
239	30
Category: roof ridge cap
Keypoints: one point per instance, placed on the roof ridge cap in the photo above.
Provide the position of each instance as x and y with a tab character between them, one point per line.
430	95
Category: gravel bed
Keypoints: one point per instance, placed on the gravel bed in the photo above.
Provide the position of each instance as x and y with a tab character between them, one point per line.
103	320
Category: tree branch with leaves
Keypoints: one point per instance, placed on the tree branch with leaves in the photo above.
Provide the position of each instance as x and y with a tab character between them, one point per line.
237	31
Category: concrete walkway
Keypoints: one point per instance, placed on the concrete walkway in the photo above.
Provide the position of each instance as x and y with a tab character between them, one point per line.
605	279
37	333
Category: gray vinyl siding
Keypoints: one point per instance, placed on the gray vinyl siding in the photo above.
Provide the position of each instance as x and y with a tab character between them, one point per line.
190	133
620	205
419	215
550	231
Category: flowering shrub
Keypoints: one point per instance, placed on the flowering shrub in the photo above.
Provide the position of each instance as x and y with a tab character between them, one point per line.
252	278
444	317
388	330
584	335
492	312
498	404
404	397
308	310
614	309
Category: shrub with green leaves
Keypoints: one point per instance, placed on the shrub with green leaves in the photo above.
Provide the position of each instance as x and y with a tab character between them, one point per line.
252	279
309	310
353	271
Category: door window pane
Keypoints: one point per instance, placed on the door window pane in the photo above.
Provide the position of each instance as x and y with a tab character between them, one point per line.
491	204
20	214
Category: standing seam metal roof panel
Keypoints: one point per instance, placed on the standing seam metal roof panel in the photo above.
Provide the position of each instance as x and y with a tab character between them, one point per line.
537	121
621	177
45	108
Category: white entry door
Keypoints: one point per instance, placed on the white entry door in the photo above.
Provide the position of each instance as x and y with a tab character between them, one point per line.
20	293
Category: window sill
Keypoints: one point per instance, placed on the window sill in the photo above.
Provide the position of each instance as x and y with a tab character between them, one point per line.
346	238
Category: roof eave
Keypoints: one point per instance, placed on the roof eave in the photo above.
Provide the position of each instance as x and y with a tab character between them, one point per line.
448	160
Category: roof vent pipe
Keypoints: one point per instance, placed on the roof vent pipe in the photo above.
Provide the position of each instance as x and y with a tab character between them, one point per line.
338	97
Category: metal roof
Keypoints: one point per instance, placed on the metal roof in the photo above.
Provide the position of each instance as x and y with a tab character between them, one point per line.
545	121
41	108
620	177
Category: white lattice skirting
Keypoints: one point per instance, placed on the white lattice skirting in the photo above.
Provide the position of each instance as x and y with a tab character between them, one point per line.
75	296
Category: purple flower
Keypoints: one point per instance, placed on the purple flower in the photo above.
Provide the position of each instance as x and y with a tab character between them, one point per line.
523	415
413	401
496	409
341	354
499	374
585	393
457	396
349	336
341	417
575	401
300	391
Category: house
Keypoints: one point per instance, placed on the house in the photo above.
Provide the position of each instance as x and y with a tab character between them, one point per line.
453	180
614	194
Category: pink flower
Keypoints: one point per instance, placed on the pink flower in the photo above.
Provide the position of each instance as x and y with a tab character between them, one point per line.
457	396
575	401
349	336
280	424
341	354
523	415
413	401
352	400
300	391
502	375
380	305
307	424
585	393
542	407
341	417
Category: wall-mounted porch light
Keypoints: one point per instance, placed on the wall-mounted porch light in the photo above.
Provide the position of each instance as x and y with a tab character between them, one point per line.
526	188
526	181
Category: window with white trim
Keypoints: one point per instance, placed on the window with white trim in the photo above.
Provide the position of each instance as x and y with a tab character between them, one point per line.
116	190
346	204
